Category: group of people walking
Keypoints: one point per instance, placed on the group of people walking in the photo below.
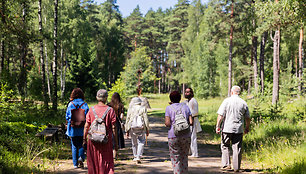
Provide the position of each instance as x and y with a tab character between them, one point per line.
101	131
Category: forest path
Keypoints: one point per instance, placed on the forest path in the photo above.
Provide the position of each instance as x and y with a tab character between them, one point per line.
156	156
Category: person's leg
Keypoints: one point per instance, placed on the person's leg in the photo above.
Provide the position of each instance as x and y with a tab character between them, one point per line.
183	154
134	143
237	152
173	149
194	145
74	150
78	142
141	142
225	144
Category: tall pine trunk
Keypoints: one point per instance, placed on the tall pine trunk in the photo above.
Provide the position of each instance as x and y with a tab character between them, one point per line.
255	68
262	60
54	99
275	91
42	60
2	45
230	53
301	61
22	40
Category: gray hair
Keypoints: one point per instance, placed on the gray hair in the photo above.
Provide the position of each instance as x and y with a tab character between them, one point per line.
102	95
236	89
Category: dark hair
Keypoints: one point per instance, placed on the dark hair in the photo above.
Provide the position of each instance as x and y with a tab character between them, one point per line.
115	102
77	93
175	97
191	91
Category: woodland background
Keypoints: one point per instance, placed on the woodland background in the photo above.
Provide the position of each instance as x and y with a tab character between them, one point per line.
49	47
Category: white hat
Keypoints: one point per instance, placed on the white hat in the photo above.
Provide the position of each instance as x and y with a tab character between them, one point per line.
136	101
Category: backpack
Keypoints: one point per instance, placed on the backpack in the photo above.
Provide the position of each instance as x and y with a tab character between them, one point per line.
97	131
180	126
137	124
77	116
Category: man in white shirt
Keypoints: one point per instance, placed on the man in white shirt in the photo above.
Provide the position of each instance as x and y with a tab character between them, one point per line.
193	106
232	112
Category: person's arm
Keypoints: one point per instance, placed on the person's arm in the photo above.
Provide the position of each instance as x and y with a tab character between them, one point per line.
114	129
128	115
247	125
218	125
167	121
191	120
86	127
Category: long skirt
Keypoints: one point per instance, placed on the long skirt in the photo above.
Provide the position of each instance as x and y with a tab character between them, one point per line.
179	148
120	135
100	158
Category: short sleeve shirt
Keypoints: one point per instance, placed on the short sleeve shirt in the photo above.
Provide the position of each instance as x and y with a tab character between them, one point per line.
171	111
193	106
110	118
234	110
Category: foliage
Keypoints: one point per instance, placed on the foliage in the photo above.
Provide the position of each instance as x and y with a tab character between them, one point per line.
119	87
139	62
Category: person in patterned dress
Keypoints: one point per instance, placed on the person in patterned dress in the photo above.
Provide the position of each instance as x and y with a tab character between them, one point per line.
178	145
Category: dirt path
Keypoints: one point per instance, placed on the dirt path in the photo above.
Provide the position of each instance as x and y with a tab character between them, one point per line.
156	156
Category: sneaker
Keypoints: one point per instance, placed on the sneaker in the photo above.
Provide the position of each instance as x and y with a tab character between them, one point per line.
226	168
75	167
80	163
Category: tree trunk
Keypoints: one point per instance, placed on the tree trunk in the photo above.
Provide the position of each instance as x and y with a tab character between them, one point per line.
301	61
230	53
275	92
254	50
262	60
47	72
23	45
2	57
2	45
42	61
62	72
296	66
54	101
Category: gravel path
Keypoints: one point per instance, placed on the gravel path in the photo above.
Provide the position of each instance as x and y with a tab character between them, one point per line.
156	156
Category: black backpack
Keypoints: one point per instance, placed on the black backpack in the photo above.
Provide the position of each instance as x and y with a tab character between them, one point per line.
78	117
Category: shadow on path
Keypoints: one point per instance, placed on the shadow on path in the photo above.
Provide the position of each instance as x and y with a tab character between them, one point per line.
156	155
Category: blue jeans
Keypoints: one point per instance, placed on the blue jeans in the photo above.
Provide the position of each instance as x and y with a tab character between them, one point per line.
77	149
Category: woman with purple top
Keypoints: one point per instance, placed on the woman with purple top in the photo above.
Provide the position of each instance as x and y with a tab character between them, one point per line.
178	145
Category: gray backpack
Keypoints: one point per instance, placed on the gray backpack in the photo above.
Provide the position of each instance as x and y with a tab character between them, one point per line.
97	131
181	125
